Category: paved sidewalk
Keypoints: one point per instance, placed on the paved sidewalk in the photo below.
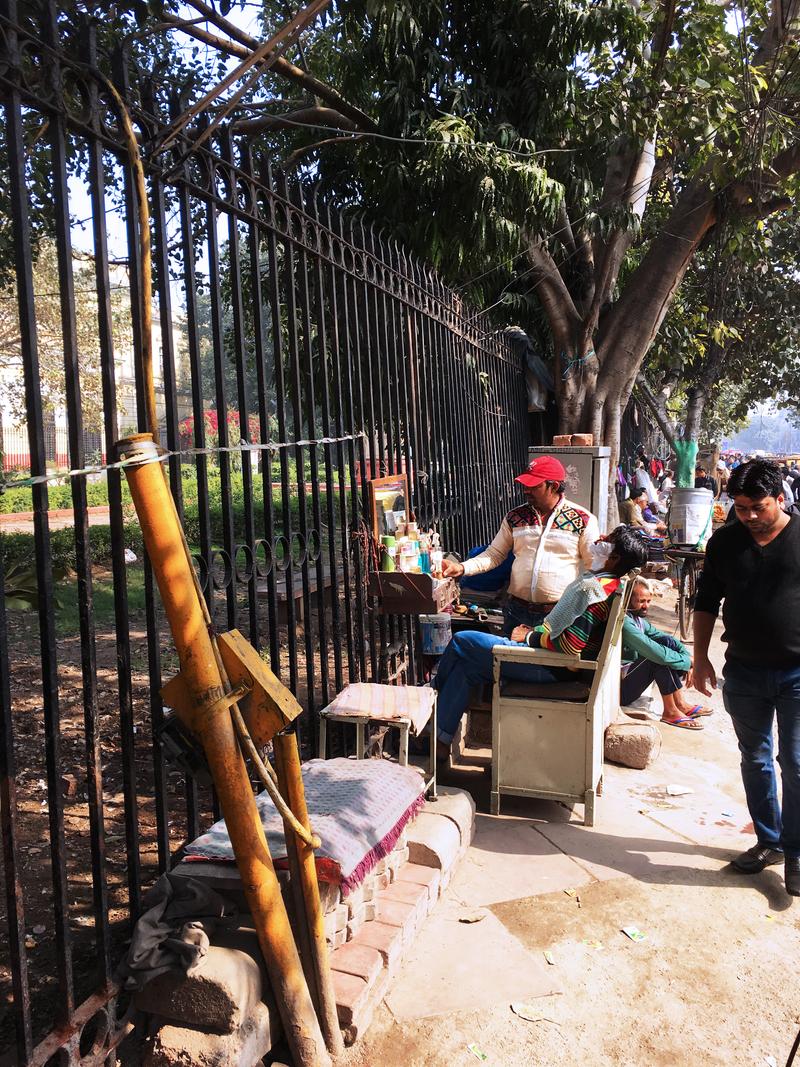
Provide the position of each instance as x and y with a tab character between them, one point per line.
713	983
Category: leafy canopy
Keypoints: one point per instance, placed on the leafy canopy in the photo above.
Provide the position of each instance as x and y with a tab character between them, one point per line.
559	84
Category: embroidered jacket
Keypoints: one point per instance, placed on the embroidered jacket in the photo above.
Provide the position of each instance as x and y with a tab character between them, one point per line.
547	556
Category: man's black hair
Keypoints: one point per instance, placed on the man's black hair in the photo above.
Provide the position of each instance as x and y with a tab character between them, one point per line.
557	487
629	547
756	479
637	492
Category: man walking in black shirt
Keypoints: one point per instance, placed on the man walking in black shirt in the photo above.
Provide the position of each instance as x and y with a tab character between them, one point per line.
754	566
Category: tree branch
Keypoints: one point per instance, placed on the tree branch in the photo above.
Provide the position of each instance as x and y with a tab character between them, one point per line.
782	14
308	116
294	157
634	195
658	408
636	317
247	44
553	293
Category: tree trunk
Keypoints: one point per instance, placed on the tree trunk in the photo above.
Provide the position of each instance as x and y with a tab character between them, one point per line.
593	387
695	406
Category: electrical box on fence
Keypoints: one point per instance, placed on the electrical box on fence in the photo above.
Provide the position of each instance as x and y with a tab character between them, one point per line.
587	470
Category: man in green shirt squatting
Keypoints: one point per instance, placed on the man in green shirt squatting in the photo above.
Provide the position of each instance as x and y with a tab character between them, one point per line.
648	655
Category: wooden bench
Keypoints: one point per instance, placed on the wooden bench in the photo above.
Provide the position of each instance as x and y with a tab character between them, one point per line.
262	591
547	740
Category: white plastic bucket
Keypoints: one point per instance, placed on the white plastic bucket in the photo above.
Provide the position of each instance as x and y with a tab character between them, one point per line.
436	633
690	512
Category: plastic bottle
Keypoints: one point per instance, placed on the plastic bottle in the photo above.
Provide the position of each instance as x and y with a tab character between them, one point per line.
425	554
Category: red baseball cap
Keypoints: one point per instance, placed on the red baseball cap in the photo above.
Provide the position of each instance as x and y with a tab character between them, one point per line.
542	469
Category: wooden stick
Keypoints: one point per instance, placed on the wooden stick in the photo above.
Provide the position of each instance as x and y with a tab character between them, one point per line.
290	779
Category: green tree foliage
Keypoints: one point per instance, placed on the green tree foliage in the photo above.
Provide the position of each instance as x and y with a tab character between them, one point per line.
732	336
166	73
562	161
50	339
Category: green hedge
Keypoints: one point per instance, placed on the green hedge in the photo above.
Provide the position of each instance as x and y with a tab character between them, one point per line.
19	547
13	501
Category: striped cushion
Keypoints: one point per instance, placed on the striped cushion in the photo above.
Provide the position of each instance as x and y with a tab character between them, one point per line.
384	703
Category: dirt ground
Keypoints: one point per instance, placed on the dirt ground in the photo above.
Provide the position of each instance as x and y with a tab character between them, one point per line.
133	836
713	983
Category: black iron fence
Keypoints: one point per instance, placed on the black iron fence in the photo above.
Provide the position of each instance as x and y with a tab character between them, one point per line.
288	323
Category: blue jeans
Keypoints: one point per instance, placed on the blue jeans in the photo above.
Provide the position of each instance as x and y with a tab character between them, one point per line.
467	662
753	696
515	614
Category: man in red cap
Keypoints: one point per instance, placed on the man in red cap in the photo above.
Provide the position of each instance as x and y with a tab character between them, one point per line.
551	538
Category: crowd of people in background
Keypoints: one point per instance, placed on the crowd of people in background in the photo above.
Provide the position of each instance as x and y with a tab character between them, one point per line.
651	484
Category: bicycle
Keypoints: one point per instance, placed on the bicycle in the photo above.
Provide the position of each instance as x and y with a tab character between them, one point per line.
688	562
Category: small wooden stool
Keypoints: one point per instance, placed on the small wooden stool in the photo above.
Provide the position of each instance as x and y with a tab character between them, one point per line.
408	708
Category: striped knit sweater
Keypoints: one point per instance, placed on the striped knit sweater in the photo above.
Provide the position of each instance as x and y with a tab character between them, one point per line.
584	635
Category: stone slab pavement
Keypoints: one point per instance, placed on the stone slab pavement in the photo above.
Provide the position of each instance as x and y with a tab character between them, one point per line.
713	983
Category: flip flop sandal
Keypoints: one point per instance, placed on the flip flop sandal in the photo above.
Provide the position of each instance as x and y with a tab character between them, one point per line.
687	723
699	712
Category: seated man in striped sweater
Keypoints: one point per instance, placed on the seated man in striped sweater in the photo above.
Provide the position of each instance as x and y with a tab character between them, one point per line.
575	626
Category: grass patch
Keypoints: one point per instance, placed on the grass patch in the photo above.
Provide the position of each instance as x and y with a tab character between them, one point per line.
67	618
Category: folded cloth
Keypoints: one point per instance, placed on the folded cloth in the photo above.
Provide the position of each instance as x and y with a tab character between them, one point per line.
357	807
413	703
173	932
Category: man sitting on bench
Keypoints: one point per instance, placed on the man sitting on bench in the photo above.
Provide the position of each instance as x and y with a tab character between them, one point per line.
574	626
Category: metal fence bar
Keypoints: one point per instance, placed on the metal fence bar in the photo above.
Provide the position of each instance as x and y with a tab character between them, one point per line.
262	388
325	359
228	551
314	552
10	821
130	769
291	284
83	560
23	256
283	543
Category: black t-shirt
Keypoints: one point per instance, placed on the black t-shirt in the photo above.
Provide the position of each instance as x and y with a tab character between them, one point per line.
760	586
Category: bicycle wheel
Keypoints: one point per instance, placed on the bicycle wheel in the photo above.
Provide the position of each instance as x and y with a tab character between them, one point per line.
686	599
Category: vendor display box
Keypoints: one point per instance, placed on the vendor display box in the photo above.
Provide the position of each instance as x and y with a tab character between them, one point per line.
404	593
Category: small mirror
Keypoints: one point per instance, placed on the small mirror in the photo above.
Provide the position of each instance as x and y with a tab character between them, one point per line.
389	498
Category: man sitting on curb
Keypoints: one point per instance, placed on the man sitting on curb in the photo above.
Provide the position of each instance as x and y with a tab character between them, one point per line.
574	626
648	655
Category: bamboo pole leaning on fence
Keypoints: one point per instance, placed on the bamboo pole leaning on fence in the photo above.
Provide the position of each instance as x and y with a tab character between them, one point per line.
207	715
309	908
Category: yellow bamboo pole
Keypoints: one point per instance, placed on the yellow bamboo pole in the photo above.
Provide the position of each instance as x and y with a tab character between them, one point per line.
290	781
210	720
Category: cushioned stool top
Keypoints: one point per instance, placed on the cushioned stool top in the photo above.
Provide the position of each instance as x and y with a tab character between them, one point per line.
384	703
